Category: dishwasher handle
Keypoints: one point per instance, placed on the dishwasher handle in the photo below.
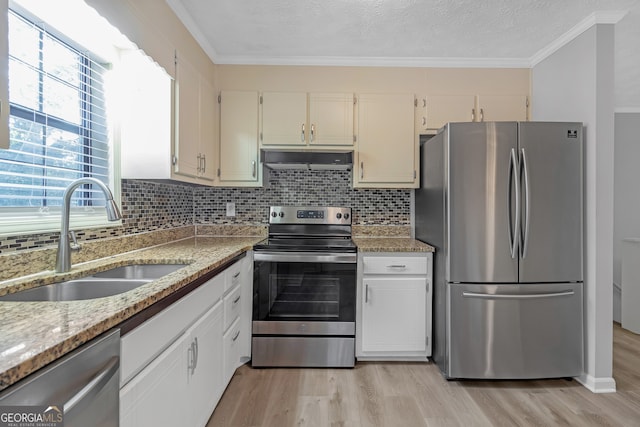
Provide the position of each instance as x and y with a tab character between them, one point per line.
93	387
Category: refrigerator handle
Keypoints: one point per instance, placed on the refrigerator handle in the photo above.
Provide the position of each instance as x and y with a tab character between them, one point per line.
515	183
527	200
517	296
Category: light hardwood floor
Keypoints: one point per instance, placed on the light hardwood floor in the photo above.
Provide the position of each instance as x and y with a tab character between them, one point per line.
416	394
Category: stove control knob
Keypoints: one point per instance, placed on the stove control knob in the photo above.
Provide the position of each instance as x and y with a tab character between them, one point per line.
338	215
346	216
274	214
281	214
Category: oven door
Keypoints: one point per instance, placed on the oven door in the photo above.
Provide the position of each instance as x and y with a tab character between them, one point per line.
304	287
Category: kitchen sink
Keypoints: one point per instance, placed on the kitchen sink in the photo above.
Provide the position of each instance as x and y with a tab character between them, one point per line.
140	271
79	289
104	284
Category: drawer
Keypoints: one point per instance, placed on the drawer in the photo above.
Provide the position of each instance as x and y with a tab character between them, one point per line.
232	304
395	265
233	276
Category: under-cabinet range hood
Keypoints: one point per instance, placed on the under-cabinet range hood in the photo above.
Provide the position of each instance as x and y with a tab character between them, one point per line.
306	159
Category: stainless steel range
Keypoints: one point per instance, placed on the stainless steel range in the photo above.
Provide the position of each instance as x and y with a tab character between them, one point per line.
304	289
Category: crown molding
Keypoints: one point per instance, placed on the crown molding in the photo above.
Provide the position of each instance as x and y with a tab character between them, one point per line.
376	61
598	17
191	26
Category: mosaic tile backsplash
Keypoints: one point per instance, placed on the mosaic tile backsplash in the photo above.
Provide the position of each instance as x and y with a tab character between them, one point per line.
150	206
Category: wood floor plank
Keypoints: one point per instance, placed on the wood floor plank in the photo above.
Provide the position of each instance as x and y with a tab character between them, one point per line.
416	394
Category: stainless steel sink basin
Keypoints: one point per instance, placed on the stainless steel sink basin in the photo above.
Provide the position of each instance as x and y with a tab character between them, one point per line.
74	290
104	284
140	271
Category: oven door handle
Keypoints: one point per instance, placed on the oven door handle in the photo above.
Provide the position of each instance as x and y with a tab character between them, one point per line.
341	258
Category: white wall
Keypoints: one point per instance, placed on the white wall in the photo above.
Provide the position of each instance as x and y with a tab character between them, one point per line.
576	83
626	195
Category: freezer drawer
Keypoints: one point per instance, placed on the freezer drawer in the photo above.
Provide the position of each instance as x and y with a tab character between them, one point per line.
515	331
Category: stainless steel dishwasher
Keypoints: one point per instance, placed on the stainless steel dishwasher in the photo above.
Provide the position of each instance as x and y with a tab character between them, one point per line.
85	383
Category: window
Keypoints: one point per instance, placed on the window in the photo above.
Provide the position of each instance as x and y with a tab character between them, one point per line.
58	131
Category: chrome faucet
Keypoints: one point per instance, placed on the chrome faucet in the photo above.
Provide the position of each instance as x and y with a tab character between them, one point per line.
63	258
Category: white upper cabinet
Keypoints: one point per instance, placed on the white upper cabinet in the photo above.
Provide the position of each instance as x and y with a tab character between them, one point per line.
284	118
502	108
195	123
331	119
303	119
4	76
386	142
441	109
239	155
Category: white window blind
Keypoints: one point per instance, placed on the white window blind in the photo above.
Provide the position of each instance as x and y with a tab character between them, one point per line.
57	129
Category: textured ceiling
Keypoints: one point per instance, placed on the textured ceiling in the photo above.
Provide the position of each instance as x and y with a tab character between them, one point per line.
405	32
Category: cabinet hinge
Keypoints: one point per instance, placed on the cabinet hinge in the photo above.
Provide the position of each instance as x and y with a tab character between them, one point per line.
260	99
174	160
219	99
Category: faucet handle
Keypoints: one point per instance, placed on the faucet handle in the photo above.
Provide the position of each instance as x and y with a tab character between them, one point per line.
75	246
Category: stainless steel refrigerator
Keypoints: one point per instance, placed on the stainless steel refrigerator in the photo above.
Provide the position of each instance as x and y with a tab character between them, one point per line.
502	202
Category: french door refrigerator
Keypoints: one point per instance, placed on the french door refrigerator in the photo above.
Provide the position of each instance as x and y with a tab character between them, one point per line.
502	202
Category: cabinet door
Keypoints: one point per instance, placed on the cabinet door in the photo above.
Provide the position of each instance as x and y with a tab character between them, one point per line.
386	142
187	117
394	314
157	396
331	119
284	118
502	108
239	154
4	76
231	345
442	109
208	132
206	360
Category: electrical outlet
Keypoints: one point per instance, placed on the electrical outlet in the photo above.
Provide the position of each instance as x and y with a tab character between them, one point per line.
231	209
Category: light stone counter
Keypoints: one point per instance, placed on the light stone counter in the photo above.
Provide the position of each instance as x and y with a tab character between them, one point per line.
391	244
33	334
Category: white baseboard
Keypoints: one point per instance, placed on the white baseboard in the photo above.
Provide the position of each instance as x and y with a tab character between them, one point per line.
597	385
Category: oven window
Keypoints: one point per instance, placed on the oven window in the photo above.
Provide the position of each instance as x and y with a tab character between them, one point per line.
304	291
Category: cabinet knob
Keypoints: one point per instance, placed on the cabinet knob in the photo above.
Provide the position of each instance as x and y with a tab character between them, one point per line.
302	133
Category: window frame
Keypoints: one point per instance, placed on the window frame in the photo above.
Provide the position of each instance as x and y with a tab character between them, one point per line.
15	221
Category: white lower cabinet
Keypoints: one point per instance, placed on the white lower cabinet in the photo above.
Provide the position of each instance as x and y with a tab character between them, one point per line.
231	350
394	317
176	365
157	396
394	306
206	380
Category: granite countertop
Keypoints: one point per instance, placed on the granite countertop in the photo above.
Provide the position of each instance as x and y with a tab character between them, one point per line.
33	334
391	244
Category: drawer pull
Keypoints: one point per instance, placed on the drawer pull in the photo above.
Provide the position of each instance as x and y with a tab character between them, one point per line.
236	336
236	300
235	276
397	266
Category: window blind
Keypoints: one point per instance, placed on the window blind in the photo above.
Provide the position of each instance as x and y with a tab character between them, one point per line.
57	127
